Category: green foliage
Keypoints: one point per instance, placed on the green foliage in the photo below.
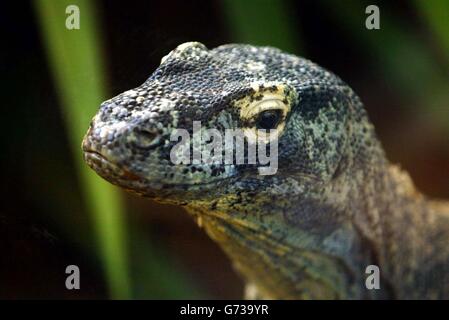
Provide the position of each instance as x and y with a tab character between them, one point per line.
262	22
76	62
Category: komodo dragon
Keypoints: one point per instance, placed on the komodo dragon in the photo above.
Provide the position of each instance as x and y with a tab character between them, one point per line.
334	206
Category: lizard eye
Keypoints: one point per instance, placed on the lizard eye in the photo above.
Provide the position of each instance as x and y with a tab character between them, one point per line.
264	111
269	119
266	115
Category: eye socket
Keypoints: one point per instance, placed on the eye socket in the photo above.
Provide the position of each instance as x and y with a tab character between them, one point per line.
269	119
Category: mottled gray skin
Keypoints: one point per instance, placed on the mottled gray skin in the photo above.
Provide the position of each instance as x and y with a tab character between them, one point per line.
335	205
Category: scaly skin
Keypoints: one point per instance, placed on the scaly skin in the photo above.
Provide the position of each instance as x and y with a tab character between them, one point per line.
335	204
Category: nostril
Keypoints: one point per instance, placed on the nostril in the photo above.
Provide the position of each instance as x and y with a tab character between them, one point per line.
145	138
147	134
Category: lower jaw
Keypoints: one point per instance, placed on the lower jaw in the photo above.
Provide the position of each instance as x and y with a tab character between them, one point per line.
165	192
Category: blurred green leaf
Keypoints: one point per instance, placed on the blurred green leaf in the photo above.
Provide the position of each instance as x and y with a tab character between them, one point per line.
263	23
77	67
436	14
76	63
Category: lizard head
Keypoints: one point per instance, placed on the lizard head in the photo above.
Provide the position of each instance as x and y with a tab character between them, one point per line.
176	139
153	139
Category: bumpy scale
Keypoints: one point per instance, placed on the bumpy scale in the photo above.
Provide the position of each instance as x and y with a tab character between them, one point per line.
335	204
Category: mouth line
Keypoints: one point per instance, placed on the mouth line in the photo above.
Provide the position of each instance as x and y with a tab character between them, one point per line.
97	160
96	154
197	184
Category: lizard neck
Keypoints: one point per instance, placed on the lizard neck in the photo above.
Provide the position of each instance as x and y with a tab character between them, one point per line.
290	246
317	244
406	232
